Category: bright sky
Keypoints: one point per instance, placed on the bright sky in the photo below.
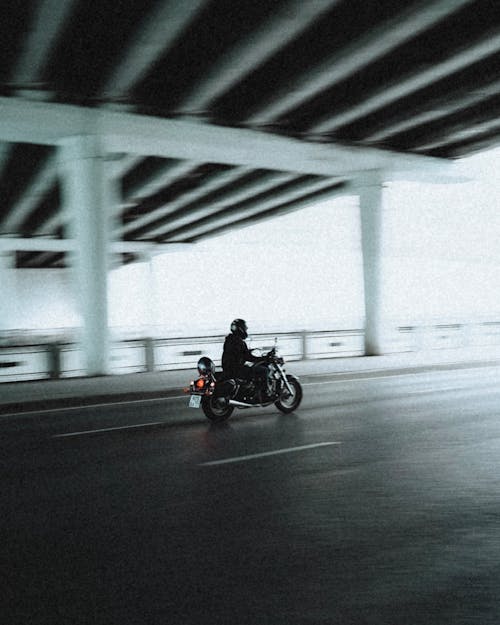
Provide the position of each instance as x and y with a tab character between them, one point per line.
303	270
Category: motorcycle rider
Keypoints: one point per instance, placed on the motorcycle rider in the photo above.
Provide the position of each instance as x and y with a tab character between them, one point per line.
236	354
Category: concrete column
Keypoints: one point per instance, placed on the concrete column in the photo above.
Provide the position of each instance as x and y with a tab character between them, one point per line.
150	314
87	197
8	300
113	194
369	188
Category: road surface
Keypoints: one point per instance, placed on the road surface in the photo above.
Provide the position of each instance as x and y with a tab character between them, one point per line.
377	502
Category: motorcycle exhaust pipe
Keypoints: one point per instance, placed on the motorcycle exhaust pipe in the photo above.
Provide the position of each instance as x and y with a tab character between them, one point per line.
240	404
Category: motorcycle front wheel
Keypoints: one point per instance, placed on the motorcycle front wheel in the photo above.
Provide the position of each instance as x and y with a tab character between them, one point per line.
216	409
288	402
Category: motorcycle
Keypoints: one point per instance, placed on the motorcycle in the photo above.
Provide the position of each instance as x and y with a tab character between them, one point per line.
218	395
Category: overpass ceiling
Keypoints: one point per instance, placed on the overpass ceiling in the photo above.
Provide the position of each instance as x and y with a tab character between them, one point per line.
418	77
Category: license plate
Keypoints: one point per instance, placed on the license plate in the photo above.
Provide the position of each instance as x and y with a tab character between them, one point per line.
195	401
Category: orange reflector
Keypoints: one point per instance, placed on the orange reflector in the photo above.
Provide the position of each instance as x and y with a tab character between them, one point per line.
200	383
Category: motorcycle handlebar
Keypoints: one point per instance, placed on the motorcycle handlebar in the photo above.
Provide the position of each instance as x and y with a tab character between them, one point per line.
272	357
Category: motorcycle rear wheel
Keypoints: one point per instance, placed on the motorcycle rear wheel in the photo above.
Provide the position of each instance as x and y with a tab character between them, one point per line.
217	409
288	403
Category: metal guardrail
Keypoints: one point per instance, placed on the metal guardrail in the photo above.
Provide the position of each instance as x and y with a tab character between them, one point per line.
54	360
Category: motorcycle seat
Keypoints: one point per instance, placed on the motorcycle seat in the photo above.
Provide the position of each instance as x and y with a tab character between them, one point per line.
221	376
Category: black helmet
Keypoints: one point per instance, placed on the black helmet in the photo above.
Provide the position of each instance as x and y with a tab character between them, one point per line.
239	326
206	366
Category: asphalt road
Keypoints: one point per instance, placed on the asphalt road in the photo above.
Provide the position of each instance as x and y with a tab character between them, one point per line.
377	502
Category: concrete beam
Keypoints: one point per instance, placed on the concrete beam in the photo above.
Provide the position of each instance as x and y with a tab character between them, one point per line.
216	182
158	32
455	134
437	109
42	244
35	191
51	225
160	179
156	182
231	198
225	218
481	144
48	123
5	149
488	46
286	23
276	210
38	260
124	164
356	56
59	218
49	18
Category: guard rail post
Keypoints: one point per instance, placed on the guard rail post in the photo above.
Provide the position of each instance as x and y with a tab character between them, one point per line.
304	344
54	360
149	353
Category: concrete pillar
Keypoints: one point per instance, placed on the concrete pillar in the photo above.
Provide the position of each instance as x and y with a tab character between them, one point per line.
150	308
8	300
369	188
114	198
87	196
150	314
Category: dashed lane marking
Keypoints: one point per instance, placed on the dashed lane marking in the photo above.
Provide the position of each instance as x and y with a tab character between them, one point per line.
122	427
275	452
85	406
156	399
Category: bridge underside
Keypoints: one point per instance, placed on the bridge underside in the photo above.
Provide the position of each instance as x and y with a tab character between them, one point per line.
214	114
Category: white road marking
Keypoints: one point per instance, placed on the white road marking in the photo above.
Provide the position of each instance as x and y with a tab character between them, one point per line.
340	381
144	401
83	406
122	427
427	390
267	453
368	377
446	389
125	427
371	374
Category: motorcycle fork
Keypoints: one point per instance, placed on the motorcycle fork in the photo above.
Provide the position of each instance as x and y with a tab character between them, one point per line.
284	378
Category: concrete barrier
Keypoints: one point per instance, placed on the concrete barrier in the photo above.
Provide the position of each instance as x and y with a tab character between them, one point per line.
65	359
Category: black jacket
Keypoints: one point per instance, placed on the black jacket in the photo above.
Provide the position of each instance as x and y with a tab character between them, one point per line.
235	354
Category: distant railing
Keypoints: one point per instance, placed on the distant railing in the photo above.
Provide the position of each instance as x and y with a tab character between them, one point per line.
54	360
